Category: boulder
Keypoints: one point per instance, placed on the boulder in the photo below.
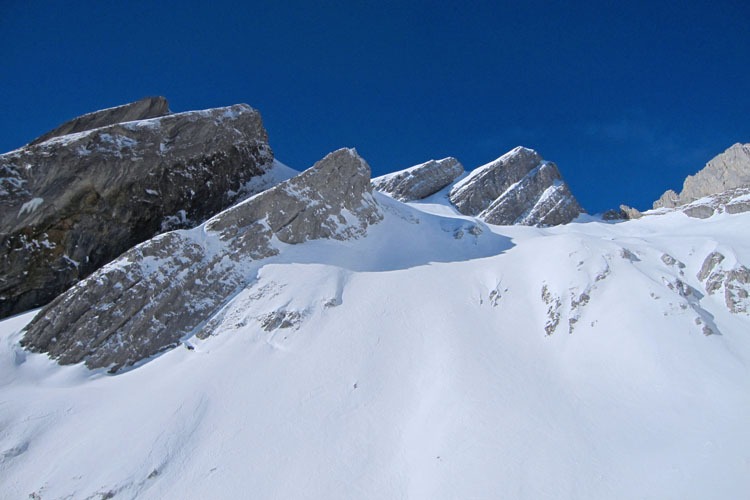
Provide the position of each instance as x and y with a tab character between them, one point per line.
419	181
75	202
168	287
517	188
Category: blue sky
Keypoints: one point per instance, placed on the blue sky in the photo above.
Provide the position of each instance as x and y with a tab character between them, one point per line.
627	99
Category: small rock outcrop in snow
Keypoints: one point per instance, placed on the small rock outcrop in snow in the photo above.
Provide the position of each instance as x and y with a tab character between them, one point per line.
735	281
72	203
729	170
419	181
517	188
624	213
167	287
149	107
731	201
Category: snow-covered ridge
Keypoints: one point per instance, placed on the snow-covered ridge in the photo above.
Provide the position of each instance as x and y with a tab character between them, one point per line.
125	312
470	358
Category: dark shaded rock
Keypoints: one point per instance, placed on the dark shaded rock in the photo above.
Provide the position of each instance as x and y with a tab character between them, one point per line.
166	288
419	181
149	107
75	202
612	214
517	188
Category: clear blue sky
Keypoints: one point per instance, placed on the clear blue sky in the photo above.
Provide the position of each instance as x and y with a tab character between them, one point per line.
627	99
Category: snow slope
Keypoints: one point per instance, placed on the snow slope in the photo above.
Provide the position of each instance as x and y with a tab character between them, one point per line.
419	362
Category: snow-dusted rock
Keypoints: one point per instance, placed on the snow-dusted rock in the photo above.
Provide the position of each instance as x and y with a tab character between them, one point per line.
735	280
149	107
167	287
419	181
731	201
72	203
517	188
729	170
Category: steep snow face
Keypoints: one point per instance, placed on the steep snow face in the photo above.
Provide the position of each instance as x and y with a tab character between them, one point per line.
435	357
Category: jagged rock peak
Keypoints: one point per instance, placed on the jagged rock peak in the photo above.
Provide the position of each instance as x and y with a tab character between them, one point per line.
149	107
419	181
72	203
729	170
170	286
520	187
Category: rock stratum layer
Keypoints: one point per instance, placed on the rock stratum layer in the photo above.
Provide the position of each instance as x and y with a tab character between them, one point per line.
167	287
729	170
73	203
420	181
517	188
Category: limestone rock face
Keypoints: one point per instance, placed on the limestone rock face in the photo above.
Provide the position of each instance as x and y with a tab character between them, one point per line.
419	181
167	287
72	203
729	170
149	107
517	188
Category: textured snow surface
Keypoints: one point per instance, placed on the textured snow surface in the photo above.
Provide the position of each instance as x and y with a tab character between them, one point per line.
438	357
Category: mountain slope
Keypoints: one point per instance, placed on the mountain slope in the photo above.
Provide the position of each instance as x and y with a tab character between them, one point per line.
435	357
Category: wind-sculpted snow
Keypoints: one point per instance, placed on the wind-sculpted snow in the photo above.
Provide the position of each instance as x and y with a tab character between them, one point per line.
517	188
163	289
72	203
420	181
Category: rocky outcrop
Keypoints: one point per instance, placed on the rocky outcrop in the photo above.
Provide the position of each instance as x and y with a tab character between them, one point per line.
167	287
735	281
517	188
624	213
150	107
732	201
419	181
729	170
73	203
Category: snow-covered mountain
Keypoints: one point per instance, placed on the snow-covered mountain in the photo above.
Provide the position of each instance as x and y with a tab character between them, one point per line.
354	346
334	336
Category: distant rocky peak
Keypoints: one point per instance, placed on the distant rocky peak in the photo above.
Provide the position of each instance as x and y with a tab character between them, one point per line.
420	181
519	187
149	107
729	170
